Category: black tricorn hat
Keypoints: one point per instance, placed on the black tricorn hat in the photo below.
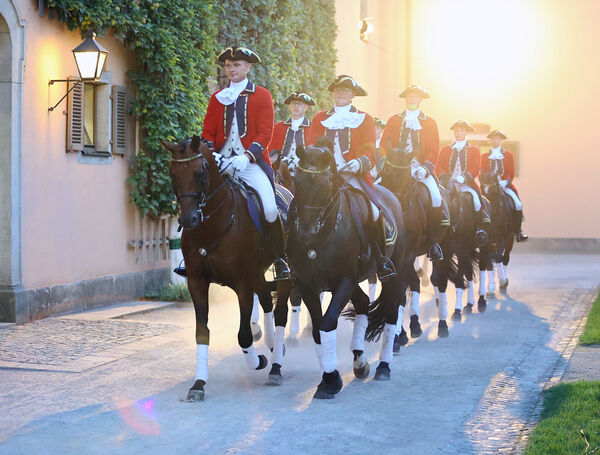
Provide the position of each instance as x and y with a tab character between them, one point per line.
379	123
299	96
496	133
238	53
417	89
465	125
345	81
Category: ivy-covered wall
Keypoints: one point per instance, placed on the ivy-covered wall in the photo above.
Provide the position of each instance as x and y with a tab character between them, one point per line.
176	43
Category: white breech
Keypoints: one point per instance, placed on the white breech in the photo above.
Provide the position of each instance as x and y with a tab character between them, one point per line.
467	189
254	176
429	182
356	184
515	198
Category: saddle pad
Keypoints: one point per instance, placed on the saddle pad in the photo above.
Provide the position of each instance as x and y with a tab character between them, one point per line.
283	199
255	207
390	228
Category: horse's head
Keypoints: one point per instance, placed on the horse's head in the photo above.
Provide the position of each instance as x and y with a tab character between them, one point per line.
489	184
397	157
190	170
314	178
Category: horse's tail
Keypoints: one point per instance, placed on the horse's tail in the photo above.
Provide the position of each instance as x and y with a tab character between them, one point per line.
377	313
475	258
453	275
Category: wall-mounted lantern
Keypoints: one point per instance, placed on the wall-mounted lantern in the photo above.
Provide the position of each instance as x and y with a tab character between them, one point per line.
90	57
366	28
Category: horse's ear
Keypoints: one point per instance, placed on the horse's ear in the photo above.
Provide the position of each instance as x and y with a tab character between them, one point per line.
275	156
300	152
170	146
195	143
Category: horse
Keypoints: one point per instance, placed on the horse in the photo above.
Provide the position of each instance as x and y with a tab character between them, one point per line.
460	242
414	199
328	251
496	254
220	244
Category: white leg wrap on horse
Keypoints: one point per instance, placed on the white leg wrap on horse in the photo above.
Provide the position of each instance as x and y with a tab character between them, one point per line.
400	319
501	271
470	293
277	356
358	333
443	308
372	291
482	282
251	357
269	329
437	292
202	362
514	197
414	303
491	280
459	298
328	357
387	344
295	321
255	313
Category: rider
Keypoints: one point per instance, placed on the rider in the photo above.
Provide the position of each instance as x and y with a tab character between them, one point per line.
417	133
502	163
238	126
458	165
379	127
353	136
288	135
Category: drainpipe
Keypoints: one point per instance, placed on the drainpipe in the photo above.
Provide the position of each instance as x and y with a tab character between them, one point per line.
407	40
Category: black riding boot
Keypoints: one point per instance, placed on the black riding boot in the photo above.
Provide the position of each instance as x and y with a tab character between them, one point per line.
274	233
517	222
385	266
435	228
483	224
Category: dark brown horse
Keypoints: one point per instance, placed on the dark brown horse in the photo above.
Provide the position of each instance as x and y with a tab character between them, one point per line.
220	244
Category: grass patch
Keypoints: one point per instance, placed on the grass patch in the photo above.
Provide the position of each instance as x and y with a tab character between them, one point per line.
171	293
569	408
591	332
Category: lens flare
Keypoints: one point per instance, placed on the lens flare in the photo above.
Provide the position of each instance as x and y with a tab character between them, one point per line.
140	416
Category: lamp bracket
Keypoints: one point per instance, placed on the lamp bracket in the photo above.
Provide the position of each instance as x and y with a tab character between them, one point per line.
76	82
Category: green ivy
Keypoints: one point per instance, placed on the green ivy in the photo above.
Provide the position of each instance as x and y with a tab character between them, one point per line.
176	42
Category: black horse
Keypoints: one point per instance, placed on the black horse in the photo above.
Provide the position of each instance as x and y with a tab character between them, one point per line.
415	200
328	250
496	254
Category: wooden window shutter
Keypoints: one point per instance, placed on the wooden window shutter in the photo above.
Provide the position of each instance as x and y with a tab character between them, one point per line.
121	121
75	132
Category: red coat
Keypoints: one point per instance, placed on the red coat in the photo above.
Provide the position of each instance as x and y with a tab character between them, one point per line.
254	112
506	165
355	142
469	159
428	137
283	135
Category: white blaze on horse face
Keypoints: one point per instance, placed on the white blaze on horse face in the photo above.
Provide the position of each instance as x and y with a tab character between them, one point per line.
358	332
414	303
387	344
202	362
400	320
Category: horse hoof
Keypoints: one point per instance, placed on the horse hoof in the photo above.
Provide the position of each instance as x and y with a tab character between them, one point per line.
469	308
481	304
275	377
256	331
382	373
415	327
329	386
362	371
457	316
397	344
403	337
443	329
196	393
503	286
262	362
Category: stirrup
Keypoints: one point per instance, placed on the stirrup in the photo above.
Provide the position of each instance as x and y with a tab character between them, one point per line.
435	252
385	268
481	237
181	271
282	270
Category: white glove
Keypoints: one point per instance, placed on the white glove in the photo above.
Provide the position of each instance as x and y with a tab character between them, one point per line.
240	162
503	183
421	173
353	166
459	179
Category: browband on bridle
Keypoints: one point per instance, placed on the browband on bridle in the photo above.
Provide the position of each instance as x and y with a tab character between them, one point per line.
185	160
312	171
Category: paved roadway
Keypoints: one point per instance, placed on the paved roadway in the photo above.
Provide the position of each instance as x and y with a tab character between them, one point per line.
87	384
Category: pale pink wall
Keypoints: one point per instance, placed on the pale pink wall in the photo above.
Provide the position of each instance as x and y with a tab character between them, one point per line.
76	217
528	67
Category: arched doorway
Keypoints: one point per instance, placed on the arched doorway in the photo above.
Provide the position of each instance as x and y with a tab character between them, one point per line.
13	305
